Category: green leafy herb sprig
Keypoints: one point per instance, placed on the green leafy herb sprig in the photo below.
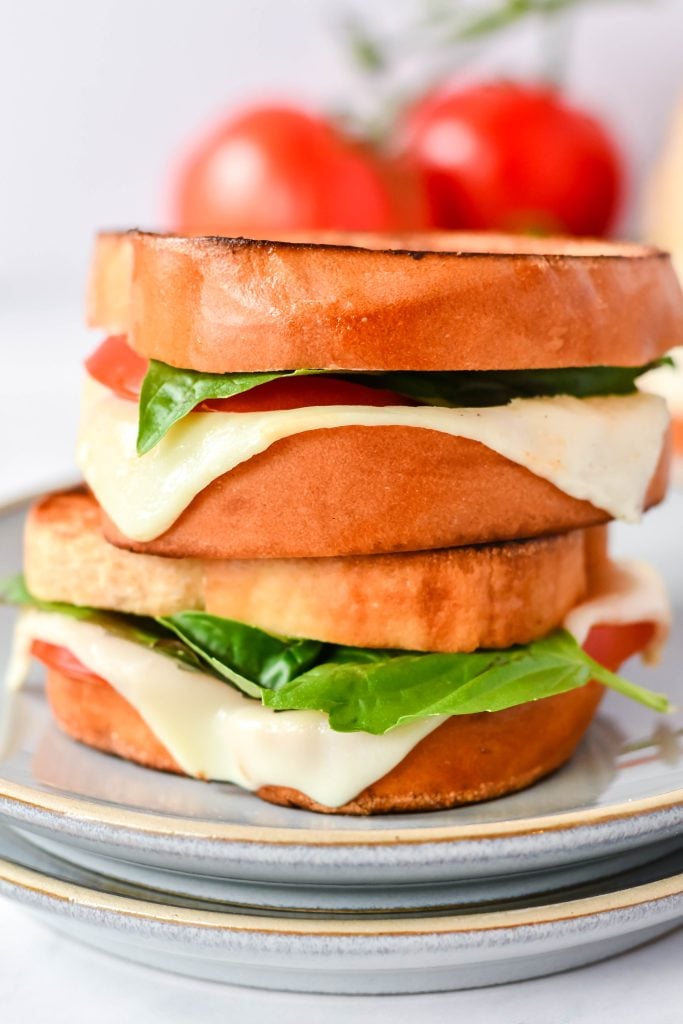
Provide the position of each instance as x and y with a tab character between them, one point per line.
360	690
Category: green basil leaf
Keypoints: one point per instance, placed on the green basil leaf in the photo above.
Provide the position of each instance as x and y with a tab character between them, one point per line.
168	394
136	628
14	591
250	658
376	696
498	387
361	690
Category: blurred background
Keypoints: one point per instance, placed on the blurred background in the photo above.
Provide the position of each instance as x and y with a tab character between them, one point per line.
535	115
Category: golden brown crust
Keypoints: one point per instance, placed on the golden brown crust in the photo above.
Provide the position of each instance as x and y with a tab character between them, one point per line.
467	759
453	600
455	301
109	287
67	559
343	491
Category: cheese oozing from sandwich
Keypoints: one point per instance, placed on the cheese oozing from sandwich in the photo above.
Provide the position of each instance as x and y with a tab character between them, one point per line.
603	449
667	381
215	732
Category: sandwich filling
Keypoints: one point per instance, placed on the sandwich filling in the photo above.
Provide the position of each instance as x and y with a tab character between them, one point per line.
583	445
667	380
235	704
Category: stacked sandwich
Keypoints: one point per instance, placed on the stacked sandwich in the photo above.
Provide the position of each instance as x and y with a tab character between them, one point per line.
343	540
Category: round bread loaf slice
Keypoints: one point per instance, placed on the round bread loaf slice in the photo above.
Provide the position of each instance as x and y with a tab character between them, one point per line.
369	490
435	301
457	599
467	759
493	595
67	559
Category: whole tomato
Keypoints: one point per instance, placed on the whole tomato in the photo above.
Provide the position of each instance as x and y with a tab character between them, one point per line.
513	158
271	170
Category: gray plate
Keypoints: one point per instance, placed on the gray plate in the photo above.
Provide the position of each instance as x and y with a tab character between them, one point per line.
619	796
349	955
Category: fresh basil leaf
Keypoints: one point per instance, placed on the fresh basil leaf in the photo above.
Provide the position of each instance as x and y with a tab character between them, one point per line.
168	393
250	658
376	696
136	628
14	591
498	387
361	690
657	701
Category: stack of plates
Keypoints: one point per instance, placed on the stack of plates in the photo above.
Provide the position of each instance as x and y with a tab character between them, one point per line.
209	881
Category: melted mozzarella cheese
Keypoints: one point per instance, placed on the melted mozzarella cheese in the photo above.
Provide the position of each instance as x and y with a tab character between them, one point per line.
667	381
603	450
215	732
624	592
212	730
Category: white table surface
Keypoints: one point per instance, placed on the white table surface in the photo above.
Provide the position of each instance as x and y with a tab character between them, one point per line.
44	977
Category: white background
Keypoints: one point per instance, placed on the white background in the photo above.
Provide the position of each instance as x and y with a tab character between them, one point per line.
97	98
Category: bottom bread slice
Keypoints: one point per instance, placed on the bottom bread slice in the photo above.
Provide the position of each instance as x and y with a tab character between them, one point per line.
467	759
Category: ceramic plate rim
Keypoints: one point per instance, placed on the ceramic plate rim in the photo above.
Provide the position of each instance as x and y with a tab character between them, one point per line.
73	895
85	812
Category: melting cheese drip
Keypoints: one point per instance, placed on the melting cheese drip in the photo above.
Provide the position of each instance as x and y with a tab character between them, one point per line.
602	450
667	381
215	732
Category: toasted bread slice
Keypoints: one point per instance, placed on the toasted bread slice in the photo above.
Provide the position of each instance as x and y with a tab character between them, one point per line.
67	559
452	600
467	759
439	301
371	490
456	599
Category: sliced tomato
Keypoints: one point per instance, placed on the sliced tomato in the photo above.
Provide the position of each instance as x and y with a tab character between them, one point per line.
610	645
115	365
677	428
613	645
62	660
298	392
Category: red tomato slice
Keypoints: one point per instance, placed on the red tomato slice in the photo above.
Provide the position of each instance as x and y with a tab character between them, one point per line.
677	427
62	660
298	392
613	645
610	645
115	365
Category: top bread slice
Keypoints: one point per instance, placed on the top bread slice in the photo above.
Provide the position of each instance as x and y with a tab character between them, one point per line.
425	302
